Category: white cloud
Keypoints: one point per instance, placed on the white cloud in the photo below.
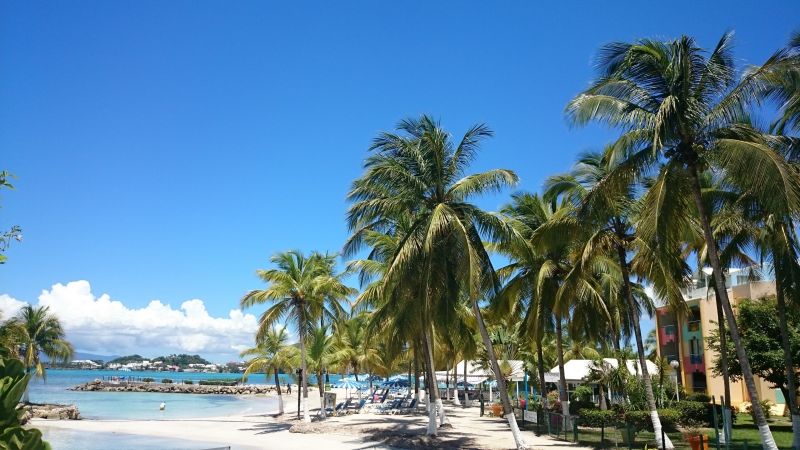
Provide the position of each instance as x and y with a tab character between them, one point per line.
105	326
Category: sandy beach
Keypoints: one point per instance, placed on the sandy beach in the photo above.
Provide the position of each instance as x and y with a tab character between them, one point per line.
354	431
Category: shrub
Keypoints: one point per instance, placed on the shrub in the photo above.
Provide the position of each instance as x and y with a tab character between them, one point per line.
641	419
582	393
553	401
596	418
698	397
166	381
693	414
188	382
580	405
13	381
766	405
147	380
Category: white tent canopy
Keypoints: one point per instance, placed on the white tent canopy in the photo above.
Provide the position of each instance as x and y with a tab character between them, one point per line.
576	370
477	374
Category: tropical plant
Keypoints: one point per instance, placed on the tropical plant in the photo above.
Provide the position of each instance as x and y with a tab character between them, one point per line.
40	333
682	112
320	355
272	354
298	288
421	171
13	382
15	232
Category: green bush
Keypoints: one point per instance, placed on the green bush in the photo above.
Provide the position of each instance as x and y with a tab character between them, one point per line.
596	418
147	380
641	420
693	414
188	382
582	393
13	382
766	405
698	397
580	405
166	381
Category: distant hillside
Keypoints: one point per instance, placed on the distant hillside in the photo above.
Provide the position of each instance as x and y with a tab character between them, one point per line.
181	360
126	359
93	357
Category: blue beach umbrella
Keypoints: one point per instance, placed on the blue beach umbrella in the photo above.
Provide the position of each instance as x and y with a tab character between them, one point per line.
347	384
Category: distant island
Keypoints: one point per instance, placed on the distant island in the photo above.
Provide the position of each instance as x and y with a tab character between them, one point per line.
170	363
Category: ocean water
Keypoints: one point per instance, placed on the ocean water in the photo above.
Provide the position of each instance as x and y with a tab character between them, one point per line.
136	405
145	405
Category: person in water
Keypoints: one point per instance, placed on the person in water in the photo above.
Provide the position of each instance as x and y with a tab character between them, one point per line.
162	406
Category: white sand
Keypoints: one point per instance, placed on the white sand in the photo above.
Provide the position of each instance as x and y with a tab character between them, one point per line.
355	431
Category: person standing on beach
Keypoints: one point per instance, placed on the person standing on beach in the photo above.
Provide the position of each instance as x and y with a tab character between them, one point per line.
288	388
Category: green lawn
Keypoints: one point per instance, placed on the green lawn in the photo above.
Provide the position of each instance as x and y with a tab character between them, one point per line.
745	436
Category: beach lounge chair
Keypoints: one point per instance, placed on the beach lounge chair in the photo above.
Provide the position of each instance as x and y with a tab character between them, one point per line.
356	408
341	407
408	409
391	406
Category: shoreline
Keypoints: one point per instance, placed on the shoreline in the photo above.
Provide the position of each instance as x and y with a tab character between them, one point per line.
354	431
175	388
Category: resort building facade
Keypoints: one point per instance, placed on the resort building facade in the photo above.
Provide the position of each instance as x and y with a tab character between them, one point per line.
683	339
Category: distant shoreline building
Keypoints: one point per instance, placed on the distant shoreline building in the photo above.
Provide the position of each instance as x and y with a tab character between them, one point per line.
683	339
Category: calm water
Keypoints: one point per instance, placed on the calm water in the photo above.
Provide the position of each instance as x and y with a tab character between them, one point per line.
134	405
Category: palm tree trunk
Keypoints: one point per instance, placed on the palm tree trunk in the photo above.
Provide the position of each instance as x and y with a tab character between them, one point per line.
447	384
456	400
540	365
726	379
562	381
767	441
466	392
603	405
321	385
791	399
633	314
280	396
508	412
301	328
417	392
431	389
26	398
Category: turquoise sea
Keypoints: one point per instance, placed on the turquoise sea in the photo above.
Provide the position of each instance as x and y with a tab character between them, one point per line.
133	405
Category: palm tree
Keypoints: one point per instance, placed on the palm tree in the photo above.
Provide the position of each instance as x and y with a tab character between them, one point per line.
607	210
321	354
272	354
297	288
421	171
40	333
682	111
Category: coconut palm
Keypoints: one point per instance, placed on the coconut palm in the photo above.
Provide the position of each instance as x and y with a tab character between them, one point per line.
272	354
297	287
40	333
421	170
321	354
606	209
681	112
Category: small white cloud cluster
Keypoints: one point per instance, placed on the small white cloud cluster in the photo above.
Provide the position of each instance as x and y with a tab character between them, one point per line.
105	326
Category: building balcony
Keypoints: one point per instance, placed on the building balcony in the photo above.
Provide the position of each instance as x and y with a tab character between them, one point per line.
693	326
694	363
667	334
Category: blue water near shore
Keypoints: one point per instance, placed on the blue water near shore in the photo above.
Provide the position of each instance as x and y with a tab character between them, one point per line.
78	440
144	405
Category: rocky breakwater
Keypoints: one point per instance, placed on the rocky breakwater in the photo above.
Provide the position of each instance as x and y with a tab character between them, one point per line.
48	411
105	386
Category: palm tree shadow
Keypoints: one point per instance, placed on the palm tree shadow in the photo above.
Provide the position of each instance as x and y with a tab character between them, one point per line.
268	427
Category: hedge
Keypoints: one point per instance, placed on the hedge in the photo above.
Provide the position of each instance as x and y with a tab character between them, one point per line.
670	418
218	382
147	380
188	382
596	418
166	381
694	414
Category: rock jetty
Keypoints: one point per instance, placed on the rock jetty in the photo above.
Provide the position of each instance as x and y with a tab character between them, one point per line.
174	388
49	411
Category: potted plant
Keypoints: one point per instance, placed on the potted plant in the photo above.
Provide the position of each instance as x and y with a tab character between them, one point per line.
497	409
696	439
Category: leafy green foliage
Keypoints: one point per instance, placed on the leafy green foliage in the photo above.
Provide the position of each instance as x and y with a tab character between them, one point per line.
181	360
596	418
641	420
693	414
761	337
13	381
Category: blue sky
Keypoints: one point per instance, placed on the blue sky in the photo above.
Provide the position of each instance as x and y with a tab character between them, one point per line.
164	150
